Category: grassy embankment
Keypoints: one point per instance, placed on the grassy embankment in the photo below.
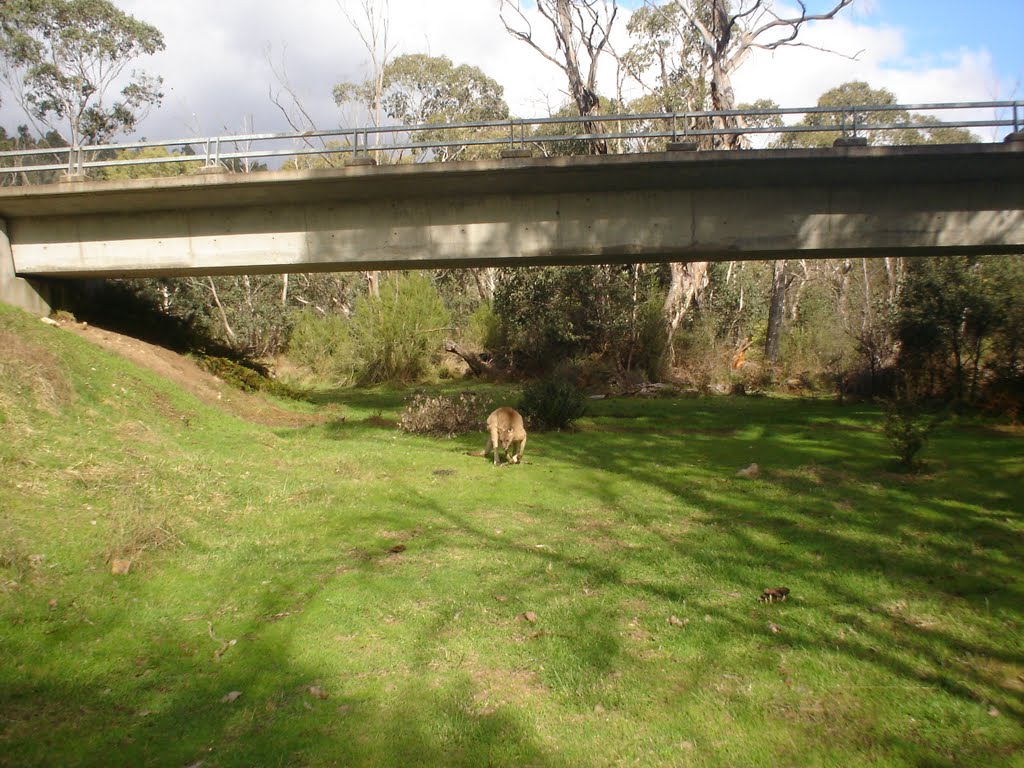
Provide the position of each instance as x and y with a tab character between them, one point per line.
345	594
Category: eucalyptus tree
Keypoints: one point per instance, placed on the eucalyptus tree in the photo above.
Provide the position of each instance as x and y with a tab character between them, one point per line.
418	89
62	61
582	31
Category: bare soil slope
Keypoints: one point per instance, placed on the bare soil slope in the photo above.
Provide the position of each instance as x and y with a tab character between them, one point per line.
186	373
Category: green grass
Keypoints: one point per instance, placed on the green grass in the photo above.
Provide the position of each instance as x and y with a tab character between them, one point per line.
262	564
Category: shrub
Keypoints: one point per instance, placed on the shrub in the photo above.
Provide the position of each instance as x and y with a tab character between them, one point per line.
323	345
482	328
246	376
398	333
551	403
908	427
442	415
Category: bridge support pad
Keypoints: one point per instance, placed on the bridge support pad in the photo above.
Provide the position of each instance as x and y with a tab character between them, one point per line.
30	295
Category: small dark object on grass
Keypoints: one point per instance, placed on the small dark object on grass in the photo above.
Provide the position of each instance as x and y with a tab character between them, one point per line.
773	595
397	548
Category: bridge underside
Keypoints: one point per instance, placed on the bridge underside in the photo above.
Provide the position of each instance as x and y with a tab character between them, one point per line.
966	199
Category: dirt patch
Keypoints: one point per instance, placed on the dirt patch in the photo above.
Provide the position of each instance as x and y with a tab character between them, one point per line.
188	375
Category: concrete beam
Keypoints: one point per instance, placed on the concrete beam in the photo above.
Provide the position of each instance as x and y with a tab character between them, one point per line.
854	201
30	295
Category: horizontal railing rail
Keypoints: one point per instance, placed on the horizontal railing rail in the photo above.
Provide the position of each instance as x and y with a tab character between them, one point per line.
633	132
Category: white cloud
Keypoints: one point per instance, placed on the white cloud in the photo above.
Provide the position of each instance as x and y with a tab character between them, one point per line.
216	73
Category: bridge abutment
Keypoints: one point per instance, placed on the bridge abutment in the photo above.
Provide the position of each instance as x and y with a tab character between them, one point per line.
31	295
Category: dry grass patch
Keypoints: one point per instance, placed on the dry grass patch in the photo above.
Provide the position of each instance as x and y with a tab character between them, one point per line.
30	372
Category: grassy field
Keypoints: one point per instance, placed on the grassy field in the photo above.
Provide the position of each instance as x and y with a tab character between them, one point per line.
342	593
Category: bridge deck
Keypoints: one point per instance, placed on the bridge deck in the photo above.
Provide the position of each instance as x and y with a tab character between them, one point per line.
656	207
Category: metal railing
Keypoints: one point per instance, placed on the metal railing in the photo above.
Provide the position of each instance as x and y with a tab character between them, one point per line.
626	132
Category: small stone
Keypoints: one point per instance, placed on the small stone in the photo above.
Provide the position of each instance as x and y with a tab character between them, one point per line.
675	621
317	692
749	472
993	712
529	616
230	697
120	567
52	603
775	628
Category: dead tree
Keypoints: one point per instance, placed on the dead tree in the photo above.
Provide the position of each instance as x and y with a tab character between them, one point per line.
581	29
477	364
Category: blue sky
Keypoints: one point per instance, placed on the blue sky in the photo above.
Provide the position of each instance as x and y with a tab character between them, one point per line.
934	28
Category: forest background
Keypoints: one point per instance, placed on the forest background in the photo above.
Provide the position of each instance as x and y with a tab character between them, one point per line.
950	328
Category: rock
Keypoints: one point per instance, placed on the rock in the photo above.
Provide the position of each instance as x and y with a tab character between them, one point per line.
120	567
529	616
230	697
675	621
749	472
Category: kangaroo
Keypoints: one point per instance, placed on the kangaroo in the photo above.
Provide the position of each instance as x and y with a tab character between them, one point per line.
507	433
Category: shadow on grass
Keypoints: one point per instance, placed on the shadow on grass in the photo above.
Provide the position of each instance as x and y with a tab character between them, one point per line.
857	545
877	556
255	705
955	538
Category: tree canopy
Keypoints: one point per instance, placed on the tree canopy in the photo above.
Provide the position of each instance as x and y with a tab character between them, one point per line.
61	57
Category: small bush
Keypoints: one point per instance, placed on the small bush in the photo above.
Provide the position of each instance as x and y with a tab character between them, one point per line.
398	334
483	329
323	346
443	415
908	426
552	404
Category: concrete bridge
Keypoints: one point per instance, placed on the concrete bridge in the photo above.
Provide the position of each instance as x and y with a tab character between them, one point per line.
671	206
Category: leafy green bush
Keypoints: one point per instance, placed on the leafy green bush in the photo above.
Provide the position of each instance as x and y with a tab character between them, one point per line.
443	415
323	345
483	328
908	426
551	403
398	334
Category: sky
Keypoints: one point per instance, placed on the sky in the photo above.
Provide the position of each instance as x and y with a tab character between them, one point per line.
224	61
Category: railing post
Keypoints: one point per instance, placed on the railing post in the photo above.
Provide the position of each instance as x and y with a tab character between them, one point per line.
356	160
1017	137
212	163
513	152
76	166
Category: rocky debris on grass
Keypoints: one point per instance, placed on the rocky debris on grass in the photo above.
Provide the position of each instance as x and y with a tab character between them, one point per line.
120	567
230	697
675	621
776	595
750	472
529	616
